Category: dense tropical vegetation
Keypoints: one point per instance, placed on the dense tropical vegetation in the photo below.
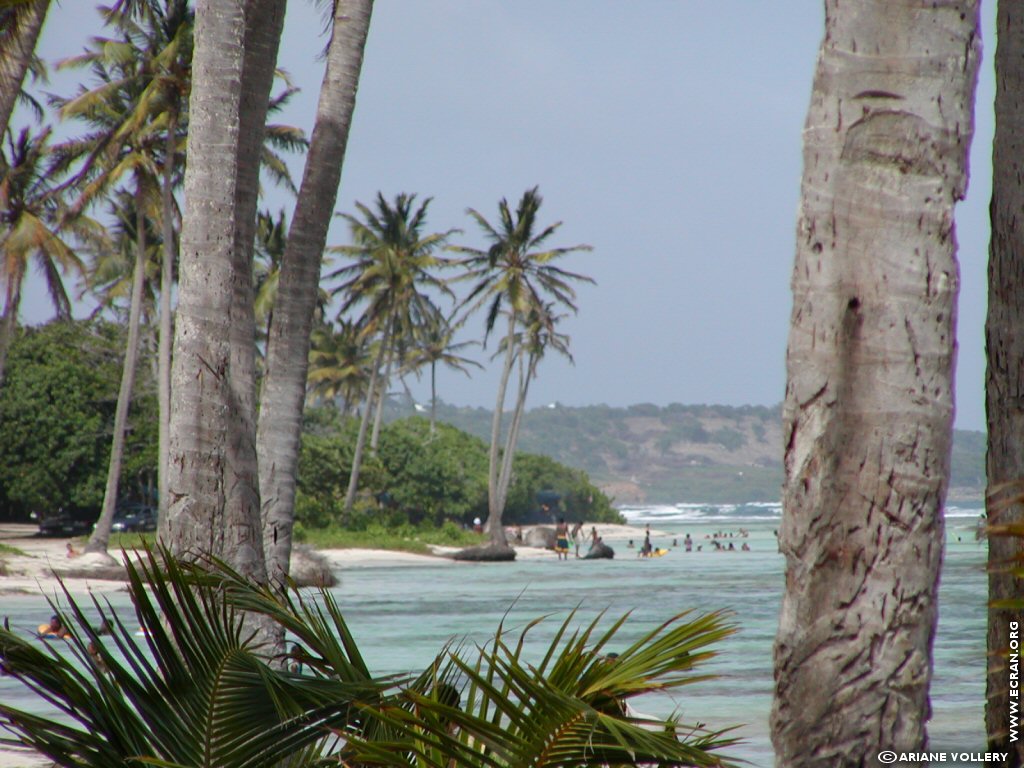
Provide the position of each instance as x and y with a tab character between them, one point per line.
420	475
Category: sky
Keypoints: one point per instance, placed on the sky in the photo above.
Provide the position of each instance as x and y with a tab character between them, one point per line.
666	134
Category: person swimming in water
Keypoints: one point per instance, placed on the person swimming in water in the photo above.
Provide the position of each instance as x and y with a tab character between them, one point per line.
55	630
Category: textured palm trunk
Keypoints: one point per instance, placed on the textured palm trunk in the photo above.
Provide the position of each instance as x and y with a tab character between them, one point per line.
869	401
364	422
495	507
505	478
16	54
213	496
382	396
284	385
9	320
100	538
169	257
1004	382
433	398
264	24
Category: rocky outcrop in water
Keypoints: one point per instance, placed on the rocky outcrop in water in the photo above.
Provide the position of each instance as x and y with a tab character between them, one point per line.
489	553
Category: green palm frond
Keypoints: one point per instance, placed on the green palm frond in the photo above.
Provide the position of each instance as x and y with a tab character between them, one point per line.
567	710
195	693
514	273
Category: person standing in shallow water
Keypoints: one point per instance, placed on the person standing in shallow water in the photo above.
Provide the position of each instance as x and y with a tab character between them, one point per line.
562	539
577	537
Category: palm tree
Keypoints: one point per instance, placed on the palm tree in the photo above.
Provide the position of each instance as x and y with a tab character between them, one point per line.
434	343
134	112
288	343
537	337
20	24
1005	355
513	277
199	693
271	236
868	411
339	364
129	110
394	265
33	228
100	537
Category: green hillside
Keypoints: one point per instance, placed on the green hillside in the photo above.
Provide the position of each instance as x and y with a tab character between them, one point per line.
677	453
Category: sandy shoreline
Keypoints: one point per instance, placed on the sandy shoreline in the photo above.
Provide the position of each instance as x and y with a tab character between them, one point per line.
34	571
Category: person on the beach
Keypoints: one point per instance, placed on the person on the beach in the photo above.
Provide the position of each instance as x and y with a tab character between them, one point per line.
577	537
562	539
688	543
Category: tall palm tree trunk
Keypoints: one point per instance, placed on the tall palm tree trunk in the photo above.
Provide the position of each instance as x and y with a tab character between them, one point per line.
287	363
264	24
100	538
495	509
169	257
364	423
433	397
1005	345
9	319
505	478
869	397
17	45
212	484
382	396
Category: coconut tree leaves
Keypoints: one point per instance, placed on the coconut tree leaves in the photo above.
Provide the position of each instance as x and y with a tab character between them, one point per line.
198	692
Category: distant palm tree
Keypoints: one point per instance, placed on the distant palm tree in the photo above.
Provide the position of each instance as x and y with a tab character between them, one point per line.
271	235
34	229
339	364
135	112
20	24
514	277
126	117
394	266
434	343
538	335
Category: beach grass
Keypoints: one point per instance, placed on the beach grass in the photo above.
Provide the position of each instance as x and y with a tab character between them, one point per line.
7	549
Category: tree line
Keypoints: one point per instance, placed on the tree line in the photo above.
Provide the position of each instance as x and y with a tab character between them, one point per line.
57	412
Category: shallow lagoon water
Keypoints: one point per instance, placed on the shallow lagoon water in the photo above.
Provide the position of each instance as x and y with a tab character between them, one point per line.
403	616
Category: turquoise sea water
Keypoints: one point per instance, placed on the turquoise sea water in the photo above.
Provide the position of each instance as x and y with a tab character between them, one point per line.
402	615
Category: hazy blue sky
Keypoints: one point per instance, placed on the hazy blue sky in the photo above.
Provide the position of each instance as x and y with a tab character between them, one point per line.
664	133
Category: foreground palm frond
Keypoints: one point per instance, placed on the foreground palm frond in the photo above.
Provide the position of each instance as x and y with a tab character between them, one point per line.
569	709
200	694
195	693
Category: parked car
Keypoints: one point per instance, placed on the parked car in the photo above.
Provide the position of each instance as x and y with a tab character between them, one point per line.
65	522
134	518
